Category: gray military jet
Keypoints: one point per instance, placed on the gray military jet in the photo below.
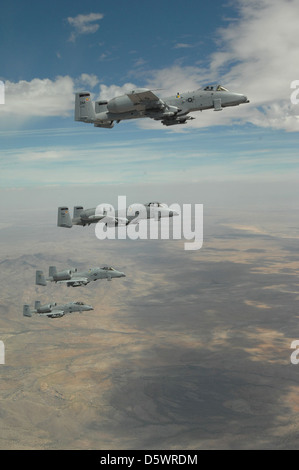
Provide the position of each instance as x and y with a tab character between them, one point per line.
142	102
84	217
73	278
54	310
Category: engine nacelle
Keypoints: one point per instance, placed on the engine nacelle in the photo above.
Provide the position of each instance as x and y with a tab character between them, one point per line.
120	104
63	276
45	308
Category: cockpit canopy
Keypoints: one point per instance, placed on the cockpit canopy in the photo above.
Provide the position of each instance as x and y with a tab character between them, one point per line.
79	303
155	204
108	268
215	88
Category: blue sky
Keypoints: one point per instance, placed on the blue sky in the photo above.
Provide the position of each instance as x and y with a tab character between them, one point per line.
39	40
51	50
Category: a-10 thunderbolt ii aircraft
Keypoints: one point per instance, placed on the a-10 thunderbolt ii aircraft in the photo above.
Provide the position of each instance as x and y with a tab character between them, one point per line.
142	102
71	277
54	310
84	217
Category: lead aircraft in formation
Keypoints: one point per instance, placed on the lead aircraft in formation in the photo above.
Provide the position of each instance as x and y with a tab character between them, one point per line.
144	103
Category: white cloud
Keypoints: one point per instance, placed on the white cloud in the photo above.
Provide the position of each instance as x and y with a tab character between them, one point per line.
84	24
139	62
165	81
109	92
39	97
90	80
182	45
178	79
257	55
262	49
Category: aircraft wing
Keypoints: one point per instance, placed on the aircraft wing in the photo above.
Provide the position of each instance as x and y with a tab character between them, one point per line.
76	280
54	313
155	107
112	221
143	97
95	217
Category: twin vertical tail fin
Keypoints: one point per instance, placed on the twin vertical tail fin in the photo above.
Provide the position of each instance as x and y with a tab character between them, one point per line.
77	211
27	311
40	279
84	110
52	271
64	218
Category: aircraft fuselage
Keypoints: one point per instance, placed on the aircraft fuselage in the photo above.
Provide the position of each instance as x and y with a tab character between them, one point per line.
198	100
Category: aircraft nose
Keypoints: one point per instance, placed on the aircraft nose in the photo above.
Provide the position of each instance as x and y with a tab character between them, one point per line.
89	307
245	99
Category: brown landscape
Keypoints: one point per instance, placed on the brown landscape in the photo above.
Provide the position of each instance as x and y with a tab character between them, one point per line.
190	351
